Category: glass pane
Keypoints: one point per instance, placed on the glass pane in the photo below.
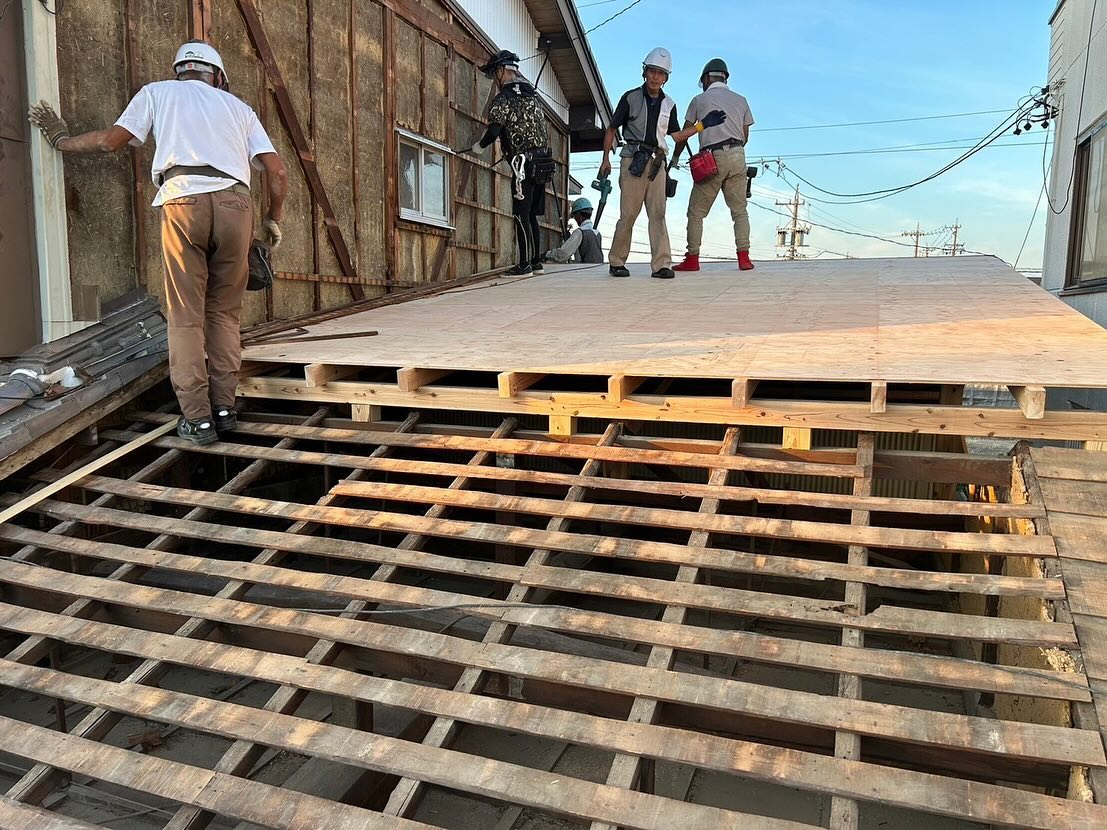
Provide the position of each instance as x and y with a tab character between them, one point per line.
409	177
1093	247
434	184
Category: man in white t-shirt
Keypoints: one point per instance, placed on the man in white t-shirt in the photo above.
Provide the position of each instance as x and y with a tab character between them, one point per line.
207	140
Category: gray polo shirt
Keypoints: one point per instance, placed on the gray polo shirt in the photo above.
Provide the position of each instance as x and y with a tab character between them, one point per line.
719	96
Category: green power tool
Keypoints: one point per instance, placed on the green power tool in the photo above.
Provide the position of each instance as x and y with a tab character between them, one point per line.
603	185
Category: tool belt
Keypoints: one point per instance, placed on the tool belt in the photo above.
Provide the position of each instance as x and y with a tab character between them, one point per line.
703	166
196	170
725	145
540	165
642	155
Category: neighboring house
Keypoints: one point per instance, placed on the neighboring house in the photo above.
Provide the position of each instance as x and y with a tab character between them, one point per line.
1075	264
364	99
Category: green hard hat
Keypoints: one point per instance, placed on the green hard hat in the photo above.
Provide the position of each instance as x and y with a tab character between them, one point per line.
715	66
581	205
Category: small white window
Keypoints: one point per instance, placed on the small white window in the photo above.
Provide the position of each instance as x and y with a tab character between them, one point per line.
424	179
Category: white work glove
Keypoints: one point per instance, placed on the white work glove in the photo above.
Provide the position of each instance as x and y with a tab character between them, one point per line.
271	232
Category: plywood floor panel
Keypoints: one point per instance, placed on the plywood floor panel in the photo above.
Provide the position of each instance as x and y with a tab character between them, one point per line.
946	320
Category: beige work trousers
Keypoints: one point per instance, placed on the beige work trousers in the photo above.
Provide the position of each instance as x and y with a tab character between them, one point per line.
731	179
205	242
635	191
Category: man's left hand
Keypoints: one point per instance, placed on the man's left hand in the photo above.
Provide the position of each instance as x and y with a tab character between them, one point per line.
53	126
271	232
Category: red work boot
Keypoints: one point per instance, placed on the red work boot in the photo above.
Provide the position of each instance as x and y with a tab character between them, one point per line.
691	263
744	263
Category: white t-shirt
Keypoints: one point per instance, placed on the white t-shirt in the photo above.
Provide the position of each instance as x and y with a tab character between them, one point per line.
195	124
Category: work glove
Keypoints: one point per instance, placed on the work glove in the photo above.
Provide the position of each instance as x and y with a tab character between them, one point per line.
271	232
713	119
475	150
53	126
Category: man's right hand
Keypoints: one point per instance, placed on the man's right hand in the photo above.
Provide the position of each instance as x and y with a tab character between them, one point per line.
271	232
605	168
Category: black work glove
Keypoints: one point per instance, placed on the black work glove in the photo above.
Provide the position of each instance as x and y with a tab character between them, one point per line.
713	118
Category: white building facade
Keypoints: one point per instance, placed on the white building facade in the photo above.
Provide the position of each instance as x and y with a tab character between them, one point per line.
1075	262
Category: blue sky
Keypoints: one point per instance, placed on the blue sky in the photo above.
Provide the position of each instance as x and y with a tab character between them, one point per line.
810	63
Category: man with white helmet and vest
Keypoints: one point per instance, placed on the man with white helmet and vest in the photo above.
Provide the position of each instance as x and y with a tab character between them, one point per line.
207	140
646	116
585	243
726	143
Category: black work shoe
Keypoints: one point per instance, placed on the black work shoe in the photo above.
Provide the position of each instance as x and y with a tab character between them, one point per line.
523	270
663	274
537	269
618	271
200	432
226	419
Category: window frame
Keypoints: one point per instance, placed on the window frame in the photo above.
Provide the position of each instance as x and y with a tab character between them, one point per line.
423	145
1078	221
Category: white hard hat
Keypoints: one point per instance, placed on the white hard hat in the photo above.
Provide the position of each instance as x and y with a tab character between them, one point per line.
659	58
198	53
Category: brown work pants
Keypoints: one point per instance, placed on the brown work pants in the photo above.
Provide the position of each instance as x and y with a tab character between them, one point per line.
205	242
731	180
635	191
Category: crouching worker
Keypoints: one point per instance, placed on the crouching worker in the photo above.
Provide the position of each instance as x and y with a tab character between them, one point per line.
585	243
207	141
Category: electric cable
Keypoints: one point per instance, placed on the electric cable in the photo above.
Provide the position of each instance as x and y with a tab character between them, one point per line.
885	121
869	195
1079	113
1029	227
587	32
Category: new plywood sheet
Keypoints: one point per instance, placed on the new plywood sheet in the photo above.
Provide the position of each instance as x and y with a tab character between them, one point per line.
946	320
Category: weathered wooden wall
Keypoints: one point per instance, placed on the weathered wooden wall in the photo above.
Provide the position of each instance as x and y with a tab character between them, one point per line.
354	70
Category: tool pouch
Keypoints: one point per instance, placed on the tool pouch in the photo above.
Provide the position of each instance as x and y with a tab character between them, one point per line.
703	166
260	267
670	188
540	166
639	161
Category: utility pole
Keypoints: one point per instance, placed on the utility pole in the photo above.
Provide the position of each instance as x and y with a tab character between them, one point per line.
793	236
917	234
953	249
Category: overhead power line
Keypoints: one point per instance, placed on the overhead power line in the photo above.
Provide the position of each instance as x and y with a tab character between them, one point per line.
587	32
884	121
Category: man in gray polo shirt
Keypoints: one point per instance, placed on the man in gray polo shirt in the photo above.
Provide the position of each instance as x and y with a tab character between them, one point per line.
727	142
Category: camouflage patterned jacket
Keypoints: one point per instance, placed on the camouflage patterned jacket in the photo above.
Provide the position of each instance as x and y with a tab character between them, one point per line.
516	117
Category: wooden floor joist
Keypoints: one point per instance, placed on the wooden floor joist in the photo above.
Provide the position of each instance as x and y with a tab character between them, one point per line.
594	601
